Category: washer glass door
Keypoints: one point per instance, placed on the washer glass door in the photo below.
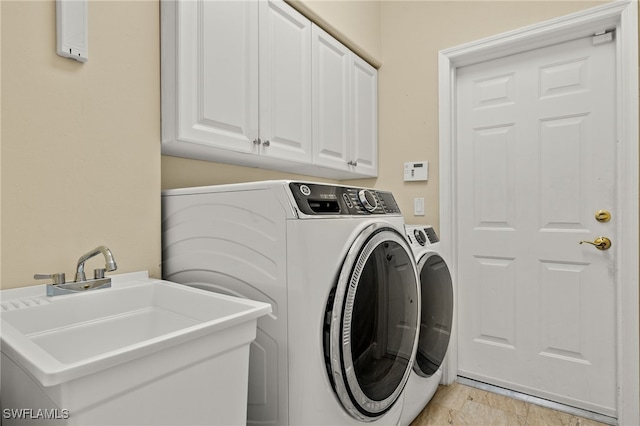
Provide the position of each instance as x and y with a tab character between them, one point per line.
371	323
437	314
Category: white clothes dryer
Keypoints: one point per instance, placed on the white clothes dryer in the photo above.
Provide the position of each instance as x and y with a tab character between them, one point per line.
435	323
334	263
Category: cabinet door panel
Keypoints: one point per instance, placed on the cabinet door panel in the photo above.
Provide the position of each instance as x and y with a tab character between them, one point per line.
365	117
218	75
285	82
331	101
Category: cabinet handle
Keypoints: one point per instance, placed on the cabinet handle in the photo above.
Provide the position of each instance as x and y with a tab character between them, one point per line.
352	163
266	143
257	141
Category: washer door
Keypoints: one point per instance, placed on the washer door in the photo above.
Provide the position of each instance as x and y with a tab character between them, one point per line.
437	314
371	323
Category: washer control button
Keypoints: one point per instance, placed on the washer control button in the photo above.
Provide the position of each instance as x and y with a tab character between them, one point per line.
421	238
305	190
347	200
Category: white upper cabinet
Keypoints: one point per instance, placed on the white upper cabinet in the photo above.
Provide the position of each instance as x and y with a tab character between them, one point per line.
243	82
345	107
364	116
209	76
285	82
331	101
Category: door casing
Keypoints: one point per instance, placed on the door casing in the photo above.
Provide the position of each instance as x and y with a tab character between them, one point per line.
623	17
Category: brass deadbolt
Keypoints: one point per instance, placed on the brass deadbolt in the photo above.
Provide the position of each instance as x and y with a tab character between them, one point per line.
603	216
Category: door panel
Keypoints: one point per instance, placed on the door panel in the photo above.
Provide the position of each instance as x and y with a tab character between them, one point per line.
285	82
331	100
365	117
219	103
536	160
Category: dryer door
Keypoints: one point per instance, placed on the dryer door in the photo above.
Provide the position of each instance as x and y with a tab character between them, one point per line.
437	313
371	323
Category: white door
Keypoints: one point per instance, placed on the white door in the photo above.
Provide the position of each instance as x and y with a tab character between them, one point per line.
364	139
536	161
285	82
218	78
331	100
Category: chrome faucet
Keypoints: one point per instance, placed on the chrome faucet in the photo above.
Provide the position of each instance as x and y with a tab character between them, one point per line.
110	263
81	283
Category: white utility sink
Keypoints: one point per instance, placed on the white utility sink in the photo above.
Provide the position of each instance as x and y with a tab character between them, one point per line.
103	354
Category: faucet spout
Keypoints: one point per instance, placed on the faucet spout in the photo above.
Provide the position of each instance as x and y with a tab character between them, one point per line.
110	263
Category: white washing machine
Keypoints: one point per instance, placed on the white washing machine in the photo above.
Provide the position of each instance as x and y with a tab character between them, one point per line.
334	263
435	323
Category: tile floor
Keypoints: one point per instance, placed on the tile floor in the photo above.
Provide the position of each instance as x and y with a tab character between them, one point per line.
459	404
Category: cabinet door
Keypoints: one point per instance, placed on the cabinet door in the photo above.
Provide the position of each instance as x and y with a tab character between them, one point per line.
364	126
218	73
331	101
285	82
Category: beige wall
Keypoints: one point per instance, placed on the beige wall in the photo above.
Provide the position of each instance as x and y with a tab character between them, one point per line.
182	172
80	142
356	23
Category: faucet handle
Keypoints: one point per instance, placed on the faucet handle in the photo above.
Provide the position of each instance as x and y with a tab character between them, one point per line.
58	278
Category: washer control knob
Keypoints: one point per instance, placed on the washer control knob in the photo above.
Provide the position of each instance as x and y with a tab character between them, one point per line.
421	238
368	200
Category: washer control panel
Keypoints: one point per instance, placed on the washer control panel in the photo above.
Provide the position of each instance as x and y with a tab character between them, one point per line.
421	235
324	199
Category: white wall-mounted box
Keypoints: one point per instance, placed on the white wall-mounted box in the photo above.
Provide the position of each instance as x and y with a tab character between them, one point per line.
416	171
72	30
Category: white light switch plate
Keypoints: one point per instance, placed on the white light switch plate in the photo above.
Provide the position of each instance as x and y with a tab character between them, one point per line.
418	206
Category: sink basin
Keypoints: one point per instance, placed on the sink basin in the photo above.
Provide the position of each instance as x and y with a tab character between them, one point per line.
89	339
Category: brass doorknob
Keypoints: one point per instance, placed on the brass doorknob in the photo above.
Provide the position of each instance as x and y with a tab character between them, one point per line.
601	243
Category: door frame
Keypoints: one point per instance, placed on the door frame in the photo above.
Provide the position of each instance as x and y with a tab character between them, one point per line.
621	15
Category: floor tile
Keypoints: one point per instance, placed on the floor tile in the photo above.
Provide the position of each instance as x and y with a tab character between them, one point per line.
452	396
435	415
461	405
475	413
542	416
501	402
